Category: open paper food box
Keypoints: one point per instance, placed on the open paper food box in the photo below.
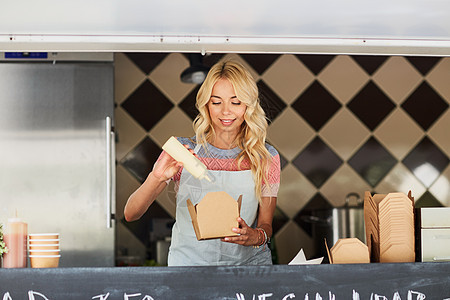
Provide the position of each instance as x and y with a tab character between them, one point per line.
215	215
348	251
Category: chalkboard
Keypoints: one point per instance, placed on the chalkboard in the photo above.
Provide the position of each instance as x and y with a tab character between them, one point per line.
412	281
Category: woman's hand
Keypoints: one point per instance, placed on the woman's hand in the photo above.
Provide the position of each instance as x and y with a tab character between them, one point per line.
138	203
247	236
166	167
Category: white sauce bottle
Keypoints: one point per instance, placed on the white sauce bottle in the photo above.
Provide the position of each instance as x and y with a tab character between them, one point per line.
191	163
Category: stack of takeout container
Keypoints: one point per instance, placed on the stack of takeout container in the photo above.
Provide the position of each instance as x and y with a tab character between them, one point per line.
44	250
389	221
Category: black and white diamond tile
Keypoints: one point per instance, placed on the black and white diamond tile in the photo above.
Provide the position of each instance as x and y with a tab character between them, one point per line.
146	61
188	104
316	105
371	105
423	64
355	133
128	133
316	63
141	159
272	104
372	161
260	62
289	77
295	191
400	178
370	63
289	142
428	200
166	76
439	78
147	105
397	78
340	123
425	106
128	74
440	188
344	181
317	161
398	133
439	133
343	78
426	161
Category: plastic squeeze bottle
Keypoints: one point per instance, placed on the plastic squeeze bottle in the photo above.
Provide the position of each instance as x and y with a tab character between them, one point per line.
15	238
191	163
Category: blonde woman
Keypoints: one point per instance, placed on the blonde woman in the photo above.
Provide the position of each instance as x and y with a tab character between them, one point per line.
230	134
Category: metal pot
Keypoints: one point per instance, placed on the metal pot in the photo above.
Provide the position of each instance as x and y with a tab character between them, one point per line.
335	223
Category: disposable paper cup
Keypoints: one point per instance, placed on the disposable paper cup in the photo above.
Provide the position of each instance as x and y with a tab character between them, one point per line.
43	246
44	252
43	241
44	261
43	236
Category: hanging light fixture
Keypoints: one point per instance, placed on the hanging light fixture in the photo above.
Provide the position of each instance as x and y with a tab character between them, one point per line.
196	72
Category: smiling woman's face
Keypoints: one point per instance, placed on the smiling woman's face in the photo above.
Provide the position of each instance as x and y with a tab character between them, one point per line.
226	112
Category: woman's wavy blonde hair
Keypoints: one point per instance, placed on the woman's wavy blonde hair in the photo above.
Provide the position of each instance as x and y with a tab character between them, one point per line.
252	136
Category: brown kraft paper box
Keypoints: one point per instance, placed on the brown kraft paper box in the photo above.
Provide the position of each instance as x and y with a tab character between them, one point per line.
215	215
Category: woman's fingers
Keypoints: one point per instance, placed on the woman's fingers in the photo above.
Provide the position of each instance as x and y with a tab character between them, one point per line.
246	234
166	167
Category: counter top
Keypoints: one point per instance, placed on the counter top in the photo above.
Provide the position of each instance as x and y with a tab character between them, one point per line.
363	281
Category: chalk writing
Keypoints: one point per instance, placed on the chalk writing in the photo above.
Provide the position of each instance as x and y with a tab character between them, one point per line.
125	296
412	295
33	295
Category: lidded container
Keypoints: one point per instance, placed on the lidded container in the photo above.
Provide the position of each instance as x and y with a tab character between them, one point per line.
15	238
191	163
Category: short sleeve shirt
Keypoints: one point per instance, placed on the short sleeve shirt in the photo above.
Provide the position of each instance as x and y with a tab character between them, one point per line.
225	160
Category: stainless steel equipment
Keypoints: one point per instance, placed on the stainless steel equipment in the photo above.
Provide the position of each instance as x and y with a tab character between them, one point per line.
335	223
57	153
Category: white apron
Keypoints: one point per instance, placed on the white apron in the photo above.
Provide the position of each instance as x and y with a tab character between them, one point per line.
186	250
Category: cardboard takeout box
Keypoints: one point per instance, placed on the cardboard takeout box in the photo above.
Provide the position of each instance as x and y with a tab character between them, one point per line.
348	251
215	215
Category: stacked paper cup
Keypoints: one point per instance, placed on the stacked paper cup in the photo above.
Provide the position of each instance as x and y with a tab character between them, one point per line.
44	250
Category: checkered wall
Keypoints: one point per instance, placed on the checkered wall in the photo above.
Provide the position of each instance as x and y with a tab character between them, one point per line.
340	123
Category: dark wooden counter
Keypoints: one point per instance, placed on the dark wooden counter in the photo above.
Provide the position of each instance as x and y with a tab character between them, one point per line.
367	281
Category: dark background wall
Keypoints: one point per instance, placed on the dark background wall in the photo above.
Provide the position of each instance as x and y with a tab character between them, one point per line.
341	124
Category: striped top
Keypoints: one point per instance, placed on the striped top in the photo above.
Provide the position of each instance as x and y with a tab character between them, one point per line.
225	160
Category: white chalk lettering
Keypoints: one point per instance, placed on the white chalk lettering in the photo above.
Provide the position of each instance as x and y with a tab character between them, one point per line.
102	296
32	293
6	296
291	296
420	296
412	295
331	296
377	297
241	296
147	297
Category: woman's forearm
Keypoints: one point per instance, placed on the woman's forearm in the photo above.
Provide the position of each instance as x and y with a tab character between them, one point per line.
143	197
